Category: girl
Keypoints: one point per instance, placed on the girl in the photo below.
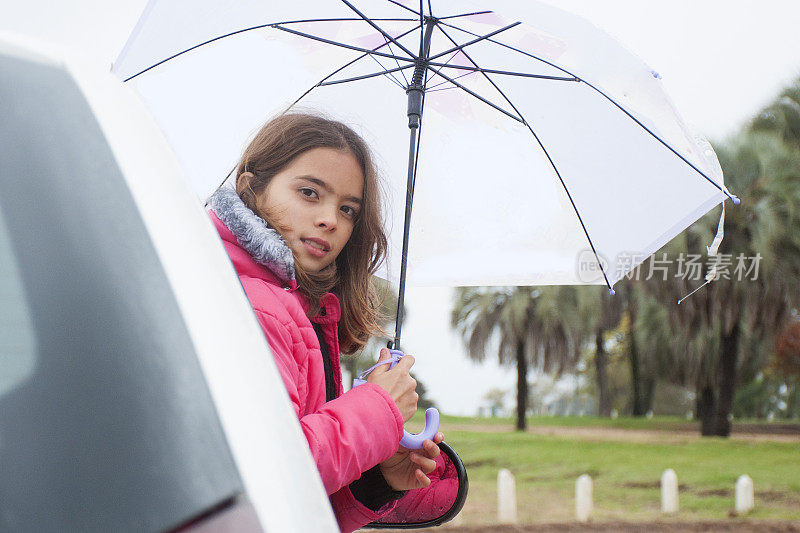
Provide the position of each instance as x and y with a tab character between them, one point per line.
303	231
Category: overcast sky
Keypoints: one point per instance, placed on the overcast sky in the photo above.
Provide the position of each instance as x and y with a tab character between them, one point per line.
720	61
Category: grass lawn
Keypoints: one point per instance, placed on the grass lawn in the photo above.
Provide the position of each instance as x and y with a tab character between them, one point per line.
625	472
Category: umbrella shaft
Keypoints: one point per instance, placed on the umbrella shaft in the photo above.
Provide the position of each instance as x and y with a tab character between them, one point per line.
412	154
414	109
416	89
416	94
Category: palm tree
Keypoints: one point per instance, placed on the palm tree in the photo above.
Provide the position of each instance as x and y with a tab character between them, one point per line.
722	330
601	313
598	313
526	325
481	313
652	353
782	117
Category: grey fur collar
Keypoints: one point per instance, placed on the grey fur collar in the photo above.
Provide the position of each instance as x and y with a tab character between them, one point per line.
264	244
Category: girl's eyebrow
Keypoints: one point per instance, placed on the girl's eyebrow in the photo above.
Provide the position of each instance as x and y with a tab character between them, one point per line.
321	183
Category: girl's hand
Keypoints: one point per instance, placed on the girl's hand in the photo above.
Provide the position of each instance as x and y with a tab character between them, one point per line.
398	383
408	469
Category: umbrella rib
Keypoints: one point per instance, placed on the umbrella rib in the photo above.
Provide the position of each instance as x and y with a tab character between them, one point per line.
465	15
387	73
460	48
571	201
403	6
398	63
479	39
363	77
503	72
509	47
269	25
371	23
441	66
336	43
359	58
444	88
485	74
637	121
479	97
550	159
346	19
434	87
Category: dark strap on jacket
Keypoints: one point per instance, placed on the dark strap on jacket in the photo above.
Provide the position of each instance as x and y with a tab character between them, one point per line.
371	489
330	386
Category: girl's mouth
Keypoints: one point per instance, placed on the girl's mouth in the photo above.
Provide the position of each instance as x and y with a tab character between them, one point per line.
316	247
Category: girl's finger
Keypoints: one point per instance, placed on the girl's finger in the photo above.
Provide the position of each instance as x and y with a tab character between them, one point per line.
405	363
382	356
431	449
422	478
427	465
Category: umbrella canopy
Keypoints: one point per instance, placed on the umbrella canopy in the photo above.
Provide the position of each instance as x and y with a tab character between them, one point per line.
548	154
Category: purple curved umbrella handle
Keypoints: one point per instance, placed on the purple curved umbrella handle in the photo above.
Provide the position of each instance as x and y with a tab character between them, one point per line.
412	441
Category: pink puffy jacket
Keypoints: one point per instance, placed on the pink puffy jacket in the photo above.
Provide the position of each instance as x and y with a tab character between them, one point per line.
347	435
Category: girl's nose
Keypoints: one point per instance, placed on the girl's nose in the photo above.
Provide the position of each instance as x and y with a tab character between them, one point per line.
326	219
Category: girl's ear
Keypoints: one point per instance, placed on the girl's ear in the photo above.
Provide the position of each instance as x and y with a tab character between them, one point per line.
243	182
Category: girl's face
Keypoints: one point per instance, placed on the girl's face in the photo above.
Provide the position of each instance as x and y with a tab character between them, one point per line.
314	203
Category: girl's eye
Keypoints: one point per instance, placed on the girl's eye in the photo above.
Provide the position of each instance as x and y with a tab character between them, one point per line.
349	211
308	192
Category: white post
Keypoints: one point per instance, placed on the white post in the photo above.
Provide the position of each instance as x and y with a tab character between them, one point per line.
744	494
669	491
506	497
583	498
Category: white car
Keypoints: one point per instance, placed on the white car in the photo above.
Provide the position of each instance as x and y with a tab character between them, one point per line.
136	393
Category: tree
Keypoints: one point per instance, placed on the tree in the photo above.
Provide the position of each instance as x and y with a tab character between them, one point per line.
496	399
782	117
775	391
597	312
638	322
721	334
525	325
787	351
787	367
651	352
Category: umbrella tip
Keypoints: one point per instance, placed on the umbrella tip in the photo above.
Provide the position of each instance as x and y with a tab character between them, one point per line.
611	292
736	200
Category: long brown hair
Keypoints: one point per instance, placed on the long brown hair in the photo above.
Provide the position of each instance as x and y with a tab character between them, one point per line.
275	146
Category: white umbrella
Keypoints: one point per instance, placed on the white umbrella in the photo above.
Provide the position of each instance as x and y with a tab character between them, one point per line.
548	153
